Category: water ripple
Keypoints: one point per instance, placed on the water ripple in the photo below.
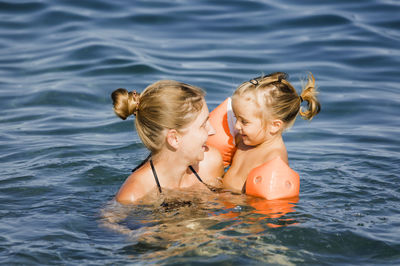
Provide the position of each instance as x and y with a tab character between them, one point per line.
65	154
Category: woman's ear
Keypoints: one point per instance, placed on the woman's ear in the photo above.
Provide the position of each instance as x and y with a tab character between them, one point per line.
173	138
276	126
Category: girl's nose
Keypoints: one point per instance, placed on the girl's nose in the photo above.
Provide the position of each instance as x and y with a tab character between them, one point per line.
237	125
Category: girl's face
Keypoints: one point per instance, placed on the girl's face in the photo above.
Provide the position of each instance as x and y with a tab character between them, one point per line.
195	135
248	121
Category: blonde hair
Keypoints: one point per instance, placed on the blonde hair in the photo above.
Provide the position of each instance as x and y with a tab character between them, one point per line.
278	99
165	104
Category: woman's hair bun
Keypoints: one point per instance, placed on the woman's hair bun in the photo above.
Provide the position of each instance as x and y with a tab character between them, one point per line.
125	103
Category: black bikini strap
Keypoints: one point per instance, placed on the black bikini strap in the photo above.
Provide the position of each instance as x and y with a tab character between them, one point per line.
190	167
244	188
196	174
155	175
198	177
142	163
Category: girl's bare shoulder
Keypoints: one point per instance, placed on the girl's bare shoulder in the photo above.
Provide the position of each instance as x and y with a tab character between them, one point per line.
212	161
211	168
277	152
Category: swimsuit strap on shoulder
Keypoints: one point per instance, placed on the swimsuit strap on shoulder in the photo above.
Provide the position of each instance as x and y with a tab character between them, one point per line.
142	163
244	188
196	174
190	167
199	178
155	175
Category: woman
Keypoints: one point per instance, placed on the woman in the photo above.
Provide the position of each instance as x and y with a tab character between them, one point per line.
172	122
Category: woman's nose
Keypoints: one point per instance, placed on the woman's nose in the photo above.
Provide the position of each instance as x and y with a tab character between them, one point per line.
211	130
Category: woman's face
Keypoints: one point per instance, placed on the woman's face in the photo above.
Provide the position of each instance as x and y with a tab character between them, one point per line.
248	122
195	135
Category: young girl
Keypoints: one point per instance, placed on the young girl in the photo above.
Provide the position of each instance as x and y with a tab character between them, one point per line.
265	107
172	122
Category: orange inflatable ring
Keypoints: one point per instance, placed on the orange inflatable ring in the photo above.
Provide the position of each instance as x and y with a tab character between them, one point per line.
223	121
273	180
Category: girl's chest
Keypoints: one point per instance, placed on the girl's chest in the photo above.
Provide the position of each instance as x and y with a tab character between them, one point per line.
242	164
245	160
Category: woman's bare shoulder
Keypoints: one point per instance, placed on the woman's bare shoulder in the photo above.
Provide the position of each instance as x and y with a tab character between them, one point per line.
136	186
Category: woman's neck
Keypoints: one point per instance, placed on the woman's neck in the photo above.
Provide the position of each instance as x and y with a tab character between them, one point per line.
170	168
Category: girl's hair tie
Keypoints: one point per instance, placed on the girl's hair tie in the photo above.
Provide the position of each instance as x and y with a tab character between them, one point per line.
254	81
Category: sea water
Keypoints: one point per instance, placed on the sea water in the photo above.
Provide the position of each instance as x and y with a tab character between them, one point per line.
64	153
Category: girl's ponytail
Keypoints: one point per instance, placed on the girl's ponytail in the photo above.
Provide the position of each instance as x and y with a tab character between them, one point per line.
309	94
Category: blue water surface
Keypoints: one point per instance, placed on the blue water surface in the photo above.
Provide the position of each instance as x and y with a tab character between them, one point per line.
64	153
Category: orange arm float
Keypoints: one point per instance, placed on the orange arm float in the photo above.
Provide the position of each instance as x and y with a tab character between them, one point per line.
223	121
273	180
